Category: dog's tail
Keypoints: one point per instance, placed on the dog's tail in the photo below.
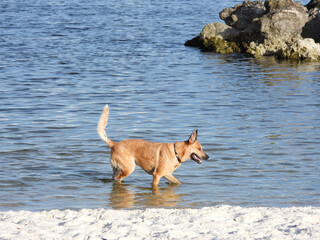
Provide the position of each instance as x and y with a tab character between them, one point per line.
102	125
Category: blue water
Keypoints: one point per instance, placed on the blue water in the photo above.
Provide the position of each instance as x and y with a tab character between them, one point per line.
61	61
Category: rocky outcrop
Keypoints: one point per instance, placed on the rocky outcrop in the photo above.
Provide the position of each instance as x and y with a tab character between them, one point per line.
273	27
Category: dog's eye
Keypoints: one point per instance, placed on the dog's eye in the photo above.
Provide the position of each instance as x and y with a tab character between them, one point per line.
199	149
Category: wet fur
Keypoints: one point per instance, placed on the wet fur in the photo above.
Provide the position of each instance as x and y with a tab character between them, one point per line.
157	159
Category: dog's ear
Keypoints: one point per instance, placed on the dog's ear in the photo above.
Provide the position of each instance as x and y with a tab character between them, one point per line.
193	136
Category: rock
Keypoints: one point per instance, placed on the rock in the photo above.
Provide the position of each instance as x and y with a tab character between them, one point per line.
284	19
312	27
218	30
313	4
216	37
242	15
278	5
194	42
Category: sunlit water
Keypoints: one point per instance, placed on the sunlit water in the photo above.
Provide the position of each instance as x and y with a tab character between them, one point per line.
61	61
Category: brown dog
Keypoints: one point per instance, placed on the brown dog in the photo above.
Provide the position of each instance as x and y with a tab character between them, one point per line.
157	159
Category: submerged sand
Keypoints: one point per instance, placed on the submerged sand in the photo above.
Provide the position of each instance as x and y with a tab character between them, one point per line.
220	222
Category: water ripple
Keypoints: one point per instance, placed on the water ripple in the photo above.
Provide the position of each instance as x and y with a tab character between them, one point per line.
61	62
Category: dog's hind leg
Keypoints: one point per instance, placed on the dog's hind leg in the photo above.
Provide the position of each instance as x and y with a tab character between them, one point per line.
172	179
120	173
116	174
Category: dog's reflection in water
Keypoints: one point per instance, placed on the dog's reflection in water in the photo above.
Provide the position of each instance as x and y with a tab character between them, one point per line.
125	195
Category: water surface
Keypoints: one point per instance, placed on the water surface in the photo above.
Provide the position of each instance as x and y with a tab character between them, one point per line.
62	61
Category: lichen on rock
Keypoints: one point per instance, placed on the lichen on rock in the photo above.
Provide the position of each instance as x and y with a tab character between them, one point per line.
302	49
219	45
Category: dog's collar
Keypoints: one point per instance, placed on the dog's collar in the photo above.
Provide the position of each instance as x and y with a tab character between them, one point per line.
177	156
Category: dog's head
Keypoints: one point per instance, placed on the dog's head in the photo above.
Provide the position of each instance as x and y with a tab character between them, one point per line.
194	149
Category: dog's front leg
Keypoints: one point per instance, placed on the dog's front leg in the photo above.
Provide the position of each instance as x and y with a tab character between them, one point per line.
156	179
172	179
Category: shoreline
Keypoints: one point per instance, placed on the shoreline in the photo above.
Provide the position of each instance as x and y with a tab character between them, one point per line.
219	222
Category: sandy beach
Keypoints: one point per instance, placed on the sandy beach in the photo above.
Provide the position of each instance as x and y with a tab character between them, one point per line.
220	222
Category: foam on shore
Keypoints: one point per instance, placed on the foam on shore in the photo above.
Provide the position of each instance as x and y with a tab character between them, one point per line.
220	222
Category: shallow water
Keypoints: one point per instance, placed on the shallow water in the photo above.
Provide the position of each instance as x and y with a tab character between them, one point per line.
61	62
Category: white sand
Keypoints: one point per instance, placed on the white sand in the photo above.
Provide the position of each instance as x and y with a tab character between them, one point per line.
222	222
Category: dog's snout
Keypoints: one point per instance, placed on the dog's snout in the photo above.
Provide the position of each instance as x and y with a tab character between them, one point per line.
206	157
